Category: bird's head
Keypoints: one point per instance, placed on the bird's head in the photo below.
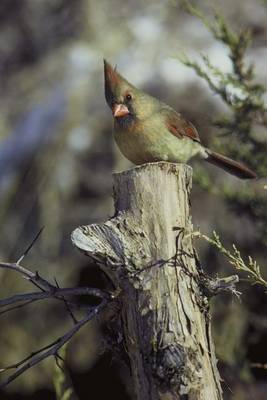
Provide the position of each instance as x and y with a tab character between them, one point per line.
125	100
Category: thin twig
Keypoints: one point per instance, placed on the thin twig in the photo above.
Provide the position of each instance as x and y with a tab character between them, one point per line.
26	303
33	277
53	348
33	354
48	290
250	267
58	293
30	245
68	307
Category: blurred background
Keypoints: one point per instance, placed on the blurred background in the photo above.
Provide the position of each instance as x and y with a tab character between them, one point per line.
57	157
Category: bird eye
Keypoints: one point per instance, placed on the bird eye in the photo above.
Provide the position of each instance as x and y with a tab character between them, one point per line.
128	97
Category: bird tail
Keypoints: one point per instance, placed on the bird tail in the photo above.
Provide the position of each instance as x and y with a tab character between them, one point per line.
233	167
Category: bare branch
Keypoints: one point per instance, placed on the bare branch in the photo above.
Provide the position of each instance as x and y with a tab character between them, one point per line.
57	294
30	246
33	277
68	307
47	290
26	303
53	348
217	285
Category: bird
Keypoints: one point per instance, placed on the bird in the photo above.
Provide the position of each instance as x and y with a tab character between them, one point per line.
147	130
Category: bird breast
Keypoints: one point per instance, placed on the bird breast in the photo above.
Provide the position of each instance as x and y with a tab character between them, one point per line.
151	141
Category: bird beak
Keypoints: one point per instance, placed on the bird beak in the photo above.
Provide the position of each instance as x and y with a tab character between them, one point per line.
119	110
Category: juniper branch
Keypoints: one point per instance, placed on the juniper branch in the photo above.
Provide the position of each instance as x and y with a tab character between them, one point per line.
250	267
237	89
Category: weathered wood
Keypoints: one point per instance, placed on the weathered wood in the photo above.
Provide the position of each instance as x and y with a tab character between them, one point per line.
147	251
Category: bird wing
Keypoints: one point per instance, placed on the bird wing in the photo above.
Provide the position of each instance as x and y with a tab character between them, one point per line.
179	126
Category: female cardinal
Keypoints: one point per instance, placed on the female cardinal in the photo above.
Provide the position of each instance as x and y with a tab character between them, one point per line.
148	130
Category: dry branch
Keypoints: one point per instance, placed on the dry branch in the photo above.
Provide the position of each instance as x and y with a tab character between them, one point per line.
50	350
48	290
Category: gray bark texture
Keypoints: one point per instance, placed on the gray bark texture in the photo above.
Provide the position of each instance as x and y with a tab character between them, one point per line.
147	251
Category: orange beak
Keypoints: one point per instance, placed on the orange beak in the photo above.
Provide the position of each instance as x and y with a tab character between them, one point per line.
119	110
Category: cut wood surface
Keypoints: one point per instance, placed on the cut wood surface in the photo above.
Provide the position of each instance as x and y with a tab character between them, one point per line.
147	251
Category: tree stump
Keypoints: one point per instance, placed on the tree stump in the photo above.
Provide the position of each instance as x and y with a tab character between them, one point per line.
147	251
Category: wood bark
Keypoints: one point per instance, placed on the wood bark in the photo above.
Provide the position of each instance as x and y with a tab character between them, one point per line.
147	251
